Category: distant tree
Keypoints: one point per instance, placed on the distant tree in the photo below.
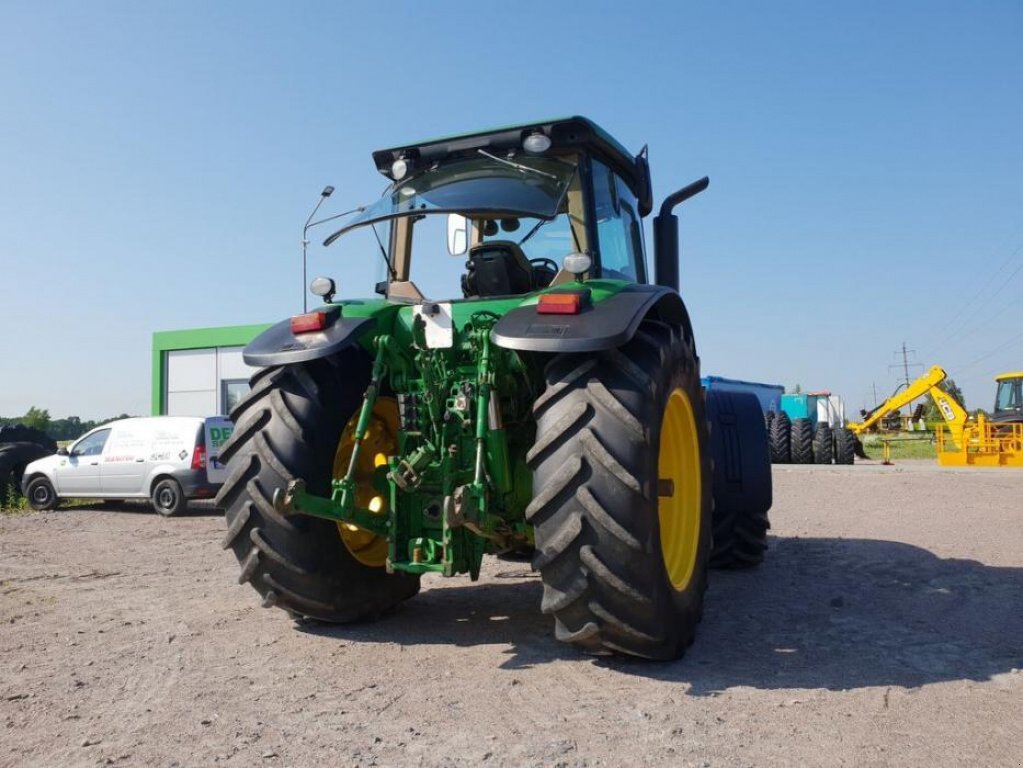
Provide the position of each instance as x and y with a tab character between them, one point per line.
38	418
69	428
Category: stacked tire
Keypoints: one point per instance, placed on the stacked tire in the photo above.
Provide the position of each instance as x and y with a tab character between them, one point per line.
801	442
19	447
845	446
796	441
779	438
823	445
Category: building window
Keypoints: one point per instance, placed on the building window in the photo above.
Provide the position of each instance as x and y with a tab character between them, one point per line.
231	393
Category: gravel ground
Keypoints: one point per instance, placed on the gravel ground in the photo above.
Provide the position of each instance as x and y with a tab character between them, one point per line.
884	629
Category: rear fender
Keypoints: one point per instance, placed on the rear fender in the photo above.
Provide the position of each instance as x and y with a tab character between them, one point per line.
277	345
607	324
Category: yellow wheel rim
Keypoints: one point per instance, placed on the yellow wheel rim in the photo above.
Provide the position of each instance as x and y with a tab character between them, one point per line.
381	441
680	495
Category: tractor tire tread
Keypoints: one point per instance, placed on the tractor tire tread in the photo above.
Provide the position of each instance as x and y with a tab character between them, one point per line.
823	445
600	560
288	426
802	441
780	439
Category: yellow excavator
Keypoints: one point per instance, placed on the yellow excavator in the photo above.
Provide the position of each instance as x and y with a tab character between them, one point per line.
984	441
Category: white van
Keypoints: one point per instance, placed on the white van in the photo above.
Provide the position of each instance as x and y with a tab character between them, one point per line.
167	459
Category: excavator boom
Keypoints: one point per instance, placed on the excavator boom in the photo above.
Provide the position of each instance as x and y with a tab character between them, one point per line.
928	384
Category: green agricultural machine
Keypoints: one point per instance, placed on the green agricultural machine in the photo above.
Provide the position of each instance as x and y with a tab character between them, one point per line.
548	401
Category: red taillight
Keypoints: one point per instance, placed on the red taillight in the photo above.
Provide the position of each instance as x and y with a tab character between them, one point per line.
561	303
199	457
309	322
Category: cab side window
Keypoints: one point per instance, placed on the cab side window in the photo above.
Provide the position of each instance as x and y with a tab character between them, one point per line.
619	229
92	445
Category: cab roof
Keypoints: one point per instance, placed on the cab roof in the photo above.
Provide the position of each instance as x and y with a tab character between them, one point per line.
564	132
1007	376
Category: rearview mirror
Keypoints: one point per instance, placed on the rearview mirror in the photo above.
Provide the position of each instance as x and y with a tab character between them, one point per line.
458	234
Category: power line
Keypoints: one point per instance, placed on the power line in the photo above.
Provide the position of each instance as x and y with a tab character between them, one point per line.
945	338
996	350
980	292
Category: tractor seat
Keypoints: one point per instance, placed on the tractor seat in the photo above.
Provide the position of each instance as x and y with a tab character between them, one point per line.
497	268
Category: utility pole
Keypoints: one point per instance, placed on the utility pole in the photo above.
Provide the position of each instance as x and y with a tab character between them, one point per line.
905	352
873	385
905	361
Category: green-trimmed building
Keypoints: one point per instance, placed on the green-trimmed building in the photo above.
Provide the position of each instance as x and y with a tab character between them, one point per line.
200	372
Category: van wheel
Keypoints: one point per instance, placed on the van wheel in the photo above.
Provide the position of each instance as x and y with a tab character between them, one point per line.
168	499
41	496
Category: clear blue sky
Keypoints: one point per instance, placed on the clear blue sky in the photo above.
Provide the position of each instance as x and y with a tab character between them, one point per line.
158	160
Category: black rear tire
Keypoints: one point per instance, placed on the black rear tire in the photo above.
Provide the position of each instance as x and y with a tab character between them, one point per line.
742	479
41	496
19	433
597	496
780	439
168	499
14	457
768	419
823	445
802	441
845	446
289	426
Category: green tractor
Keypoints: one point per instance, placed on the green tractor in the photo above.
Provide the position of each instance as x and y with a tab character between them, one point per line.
547	401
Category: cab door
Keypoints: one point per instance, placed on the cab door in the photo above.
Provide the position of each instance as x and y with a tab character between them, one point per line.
80	473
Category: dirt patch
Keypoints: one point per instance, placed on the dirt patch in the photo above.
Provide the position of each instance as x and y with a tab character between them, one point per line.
886	627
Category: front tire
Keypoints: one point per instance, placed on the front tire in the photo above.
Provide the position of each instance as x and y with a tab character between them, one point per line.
41	496
289	426
622	495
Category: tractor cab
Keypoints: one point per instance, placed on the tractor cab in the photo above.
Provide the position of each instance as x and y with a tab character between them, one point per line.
495	214
1009	398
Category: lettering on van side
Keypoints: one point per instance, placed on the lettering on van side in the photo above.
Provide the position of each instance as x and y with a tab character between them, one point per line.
219	435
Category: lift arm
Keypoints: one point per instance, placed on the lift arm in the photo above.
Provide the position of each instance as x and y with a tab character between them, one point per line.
927	384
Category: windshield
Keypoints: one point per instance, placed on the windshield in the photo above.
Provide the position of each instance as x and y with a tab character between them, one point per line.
520	186
1008	395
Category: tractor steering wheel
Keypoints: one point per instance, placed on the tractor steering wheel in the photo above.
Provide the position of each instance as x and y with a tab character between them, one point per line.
544	271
